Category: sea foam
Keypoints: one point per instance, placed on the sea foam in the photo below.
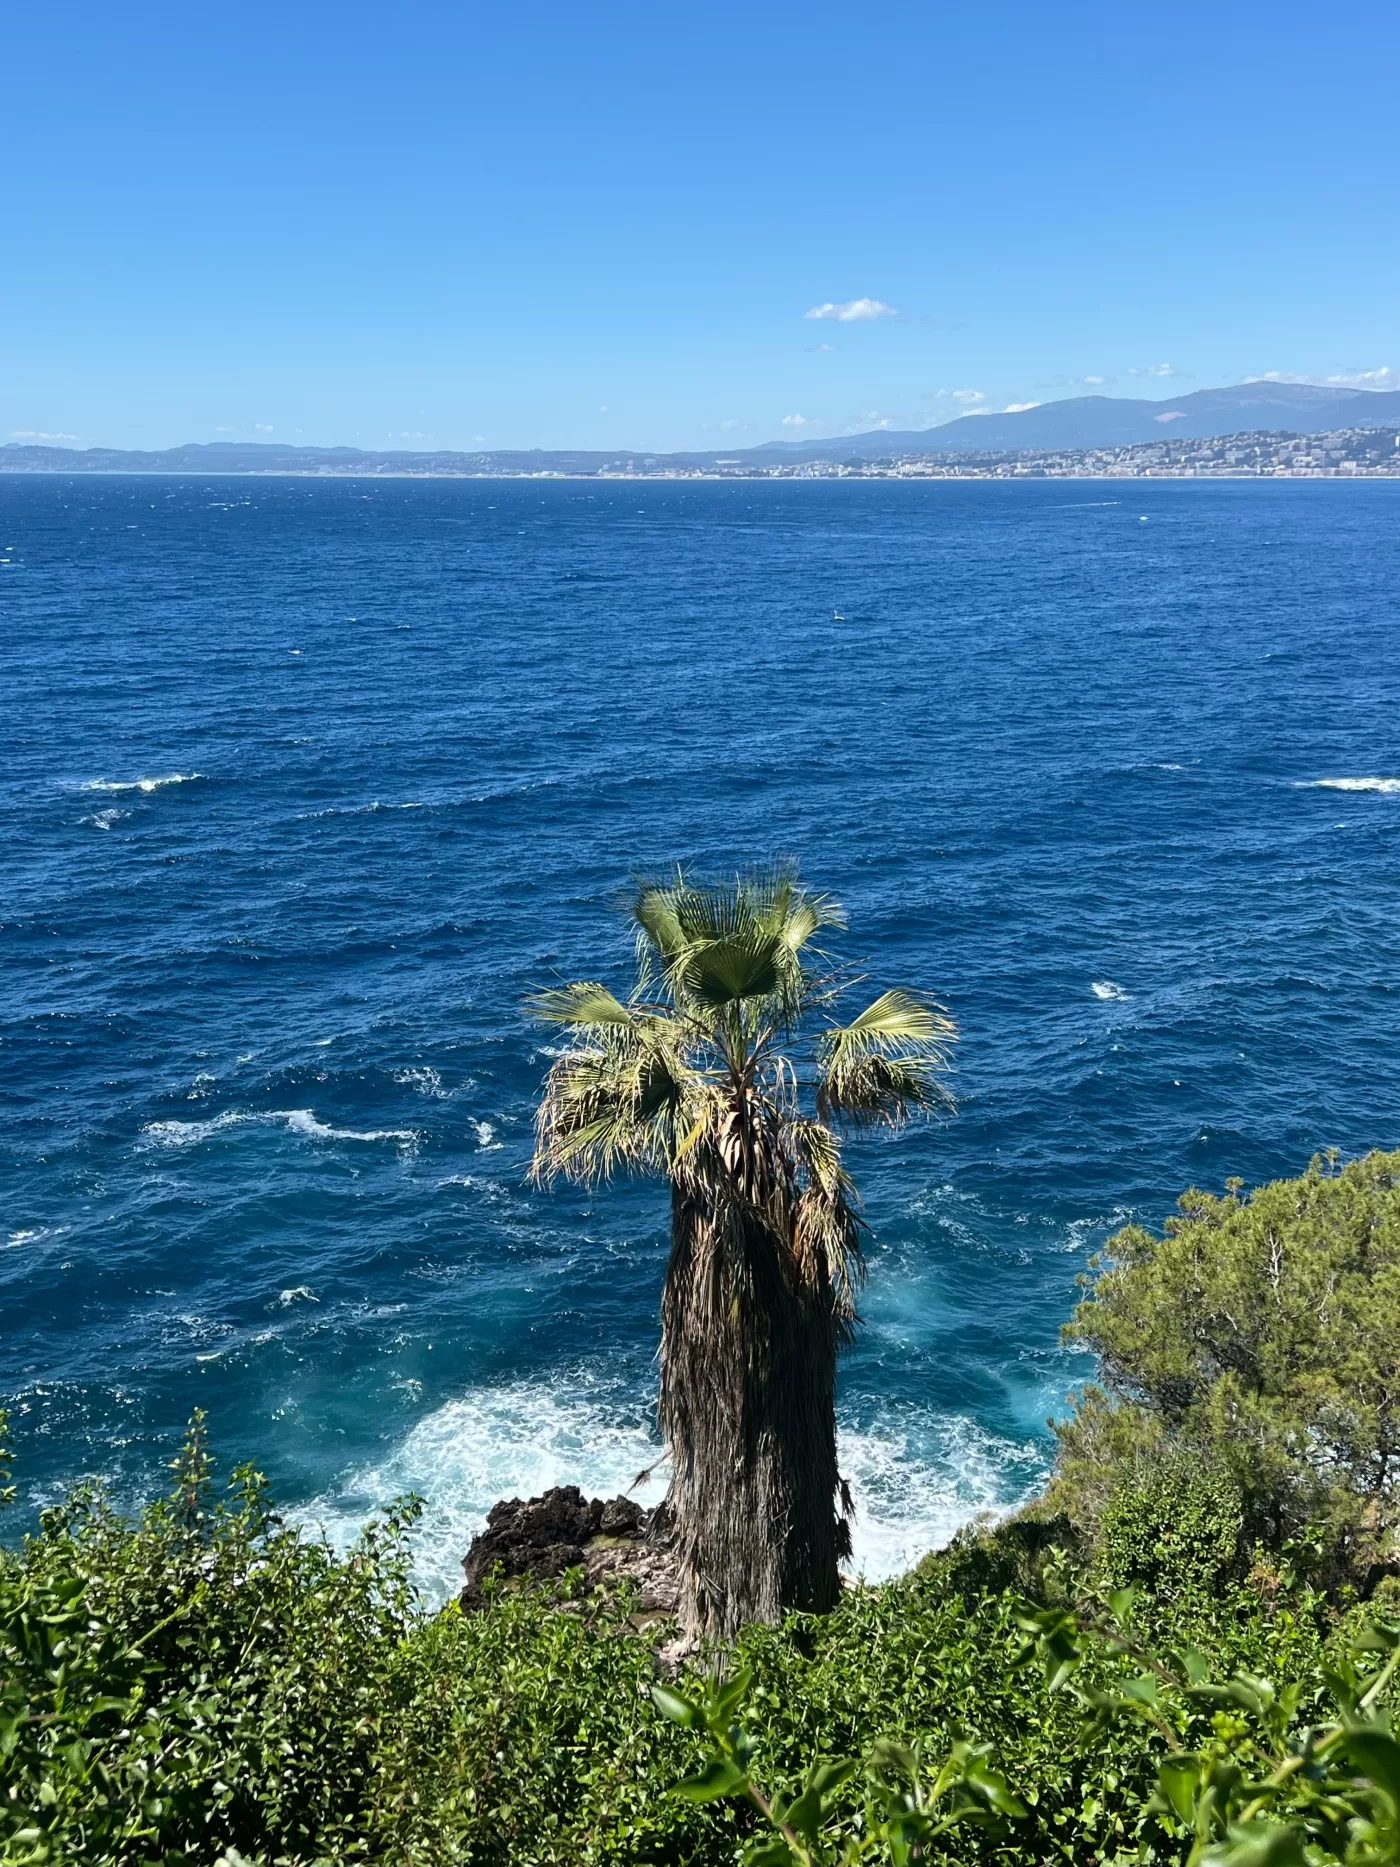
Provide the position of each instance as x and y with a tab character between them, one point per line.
1389	787
298	1121
914	1482
144	784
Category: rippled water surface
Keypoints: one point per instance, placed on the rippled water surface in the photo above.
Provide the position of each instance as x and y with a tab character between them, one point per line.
307	783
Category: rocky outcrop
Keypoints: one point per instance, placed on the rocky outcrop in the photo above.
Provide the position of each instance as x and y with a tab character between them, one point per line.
539	1538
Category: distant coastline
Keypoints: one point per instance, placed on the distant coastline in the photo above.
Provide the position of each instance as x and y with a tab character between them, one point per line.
1250	430
1348	453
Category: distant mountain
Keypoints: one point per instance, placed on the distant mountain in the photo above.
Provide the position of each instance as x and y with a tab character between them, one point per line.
277	457
1118	421
1085	421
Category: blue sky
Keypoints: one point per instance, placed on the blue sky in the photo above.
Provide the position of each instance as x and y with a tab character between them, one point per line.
604	226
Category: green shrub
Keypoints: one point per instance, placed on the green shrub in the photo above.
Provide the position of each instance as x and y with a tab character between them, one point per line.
1173	1529
207	1683
203	1679
1247	1775
1258	1335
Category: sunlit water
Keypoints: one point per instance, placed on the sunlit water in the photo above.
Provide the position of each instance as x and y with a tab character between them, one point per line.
308	783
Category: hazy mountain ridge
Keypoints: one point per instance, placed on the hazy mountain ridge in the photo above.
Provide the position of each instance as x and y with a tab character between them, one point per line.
1120	421
1090	421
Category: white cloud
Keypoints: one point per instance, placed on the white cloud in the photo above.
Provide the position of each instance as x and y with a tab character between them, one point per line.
1158	369
1172	414
817	349
967	396
731	424
1075	382
798	421
262	427
35	434
1382	378
1018	408
854	311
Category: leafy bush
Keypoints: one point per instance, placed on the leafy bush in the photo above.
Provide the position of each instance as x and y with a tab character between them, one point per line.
204	1679
1259	1335
1174	1529
207	1681
1276	1779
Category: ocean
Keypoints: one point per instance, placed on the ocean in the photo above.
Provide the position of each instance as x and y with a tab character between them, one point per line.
308	782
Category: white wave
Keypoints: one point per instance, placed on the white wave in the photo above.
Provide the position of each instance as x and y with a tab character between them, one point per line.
1388	787
299	1121
31	1235
486	1134
354	810
915	1480
512	1441
1105	988
424	1079
144	784
1080	1233
299	1293
104	819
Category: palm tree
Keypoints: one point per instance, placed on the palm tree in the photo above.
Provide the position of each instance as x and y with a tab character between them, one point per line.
710	1074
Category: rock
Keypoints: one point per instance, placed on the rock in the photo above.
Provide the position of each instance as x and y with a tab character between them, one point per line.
539	1538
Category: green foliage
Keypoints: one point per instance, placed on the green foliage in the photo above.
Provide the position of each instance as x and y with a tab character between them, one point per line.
1248	1774
530	1735
908	1807
1259	1335
1173	1528
207	1683
204	1679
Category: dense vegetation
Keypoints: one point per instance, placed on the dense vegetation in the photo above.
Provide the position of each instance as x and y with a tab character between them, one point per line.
210	1684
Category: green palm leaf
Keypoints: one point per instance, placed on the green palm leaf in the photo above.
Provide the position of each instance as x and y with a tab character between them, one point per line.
582	1003
885	1063
744	965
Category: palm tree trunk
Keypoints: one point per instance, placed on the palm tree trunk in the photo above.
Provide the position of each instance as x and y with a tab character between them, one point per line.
748	1384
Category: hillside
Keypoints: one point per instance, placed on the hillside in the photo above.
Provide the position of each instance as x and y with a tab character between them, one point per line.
1083	422
1117	421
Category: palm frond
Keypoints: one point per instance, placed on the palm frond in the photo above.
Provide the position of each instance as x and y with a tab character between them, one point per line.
732	949
616	1101
828	1229
585	1002
779	903
660	935
747	964
887	1062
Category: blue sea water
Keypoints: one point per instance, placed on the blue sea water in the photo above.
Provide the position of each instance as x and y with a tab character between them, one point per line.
309	782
